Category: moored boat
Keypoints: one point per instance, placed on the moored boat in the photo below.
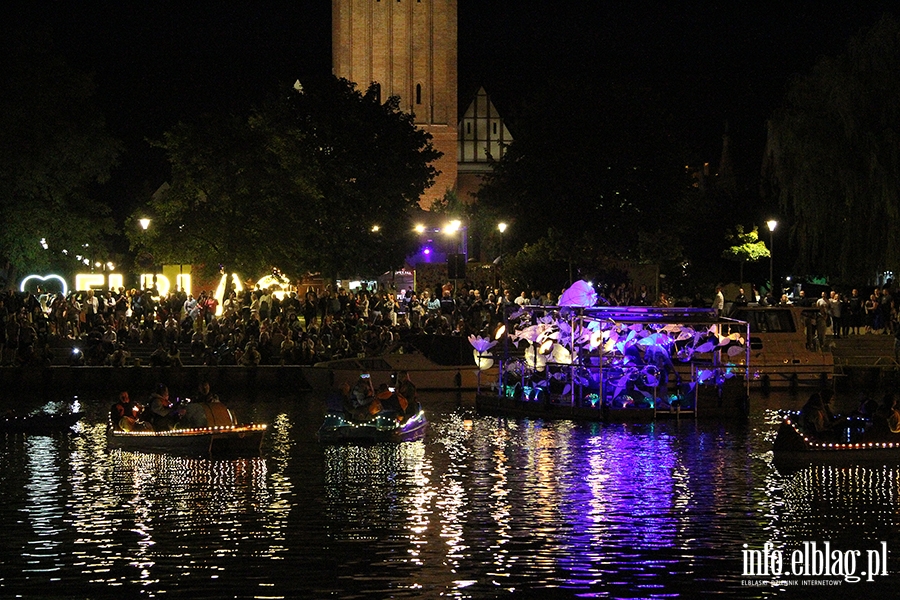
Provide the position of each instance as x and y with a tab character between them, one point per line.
213	442
385	426
780	353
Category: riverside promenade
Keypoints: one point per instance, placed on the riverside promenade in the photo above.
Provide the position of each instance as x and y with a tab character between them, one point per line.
864	361
138	375
860	362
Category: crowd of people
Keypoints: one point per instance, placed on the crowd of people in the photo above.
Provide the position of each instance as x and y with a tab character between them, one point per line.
251	327
837	314
258	327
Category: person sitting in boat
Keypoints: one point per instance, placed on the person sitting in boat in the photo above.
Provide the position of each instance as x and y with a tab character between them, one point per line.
816	417
340	398
125	415
886	421
205	394
205	411
361	396
407	394
383	397
362	393
164	415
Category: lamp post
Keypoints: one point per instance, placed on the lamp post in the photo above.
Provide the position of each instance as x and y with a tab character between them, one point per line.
772	224
145	225
501	227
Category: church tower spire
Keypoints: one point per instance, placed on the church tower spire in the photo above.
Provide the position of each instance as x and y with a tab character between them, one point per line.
408	48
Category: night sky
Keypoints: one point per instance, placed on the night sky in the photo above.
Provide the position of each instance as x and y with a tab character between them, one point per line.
155	62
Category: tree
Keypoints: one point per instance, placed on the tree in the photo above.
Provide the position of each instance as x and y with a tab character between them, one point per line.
54	148
832	158
585	154
746	247
299	184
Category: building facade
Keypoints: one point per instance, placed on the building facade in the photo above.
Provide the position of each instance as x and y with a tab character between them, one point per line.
483	138
407	48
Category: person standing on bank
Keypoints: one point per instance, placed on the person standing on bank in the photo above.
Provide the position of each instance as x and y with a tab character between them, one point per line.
719	301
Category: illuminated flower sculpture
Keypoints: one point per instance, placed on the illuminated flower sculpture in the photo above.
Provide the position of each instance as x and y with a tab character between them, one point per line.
483	358
581	293
584	350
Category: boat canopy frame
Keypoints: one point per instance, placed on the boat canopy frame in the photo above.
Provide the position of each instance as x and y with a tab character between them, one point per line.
582	353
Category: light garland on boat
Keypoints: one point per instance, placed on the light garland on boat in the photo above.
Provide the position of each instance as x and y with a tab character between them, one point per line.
198	430
392	424
840	446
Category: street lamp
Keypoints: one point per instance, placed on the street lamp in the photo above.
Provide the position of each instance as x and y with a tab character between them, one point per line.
145	225
454	226
772	224
501	227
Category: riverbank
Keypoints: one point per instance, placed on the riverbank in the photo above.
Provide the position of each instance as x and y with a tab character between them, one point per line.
55	380
861	362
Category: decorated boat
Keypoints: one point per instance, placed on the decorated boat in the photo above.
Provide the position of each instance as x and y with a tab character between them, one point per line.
577	360
41	423
792	443
385	426
213	442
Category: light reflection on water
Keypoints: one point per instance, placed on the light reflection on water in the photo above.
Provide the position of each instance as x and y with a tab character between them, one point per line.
483	507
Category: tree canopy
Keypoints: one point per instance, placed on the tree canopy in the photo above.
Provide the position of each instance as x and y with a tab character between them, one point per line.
321	178
589	155
745	247
54	148
833	158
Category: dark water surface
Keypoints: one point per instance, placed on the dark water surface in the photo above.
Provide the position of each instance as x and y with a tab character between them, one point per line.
483	508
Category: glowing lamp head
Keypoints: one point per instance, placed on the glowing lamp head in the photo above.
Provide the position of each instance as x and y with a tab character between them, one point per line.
145	223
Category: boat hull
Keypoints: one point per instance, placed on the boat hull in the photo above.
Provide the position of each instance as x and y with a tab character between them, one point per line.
792	445
338	428
213	442
509	407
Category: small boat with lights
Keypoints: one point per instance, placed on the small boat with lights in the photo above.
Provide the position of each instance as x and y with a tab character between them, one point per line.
385	426
41	423
223	441
792	443
206	429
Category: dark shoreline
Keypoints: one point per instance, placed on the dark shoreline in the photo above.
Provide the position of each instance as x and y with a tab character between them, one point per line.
55	380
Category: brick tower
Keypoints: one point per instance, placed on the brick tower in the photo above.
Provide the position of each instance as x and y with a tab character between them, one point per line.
408	47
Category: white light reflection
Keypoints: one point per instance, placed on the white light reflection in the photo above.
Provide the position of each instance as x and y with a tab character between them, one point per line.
123	503
384	486
44	513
